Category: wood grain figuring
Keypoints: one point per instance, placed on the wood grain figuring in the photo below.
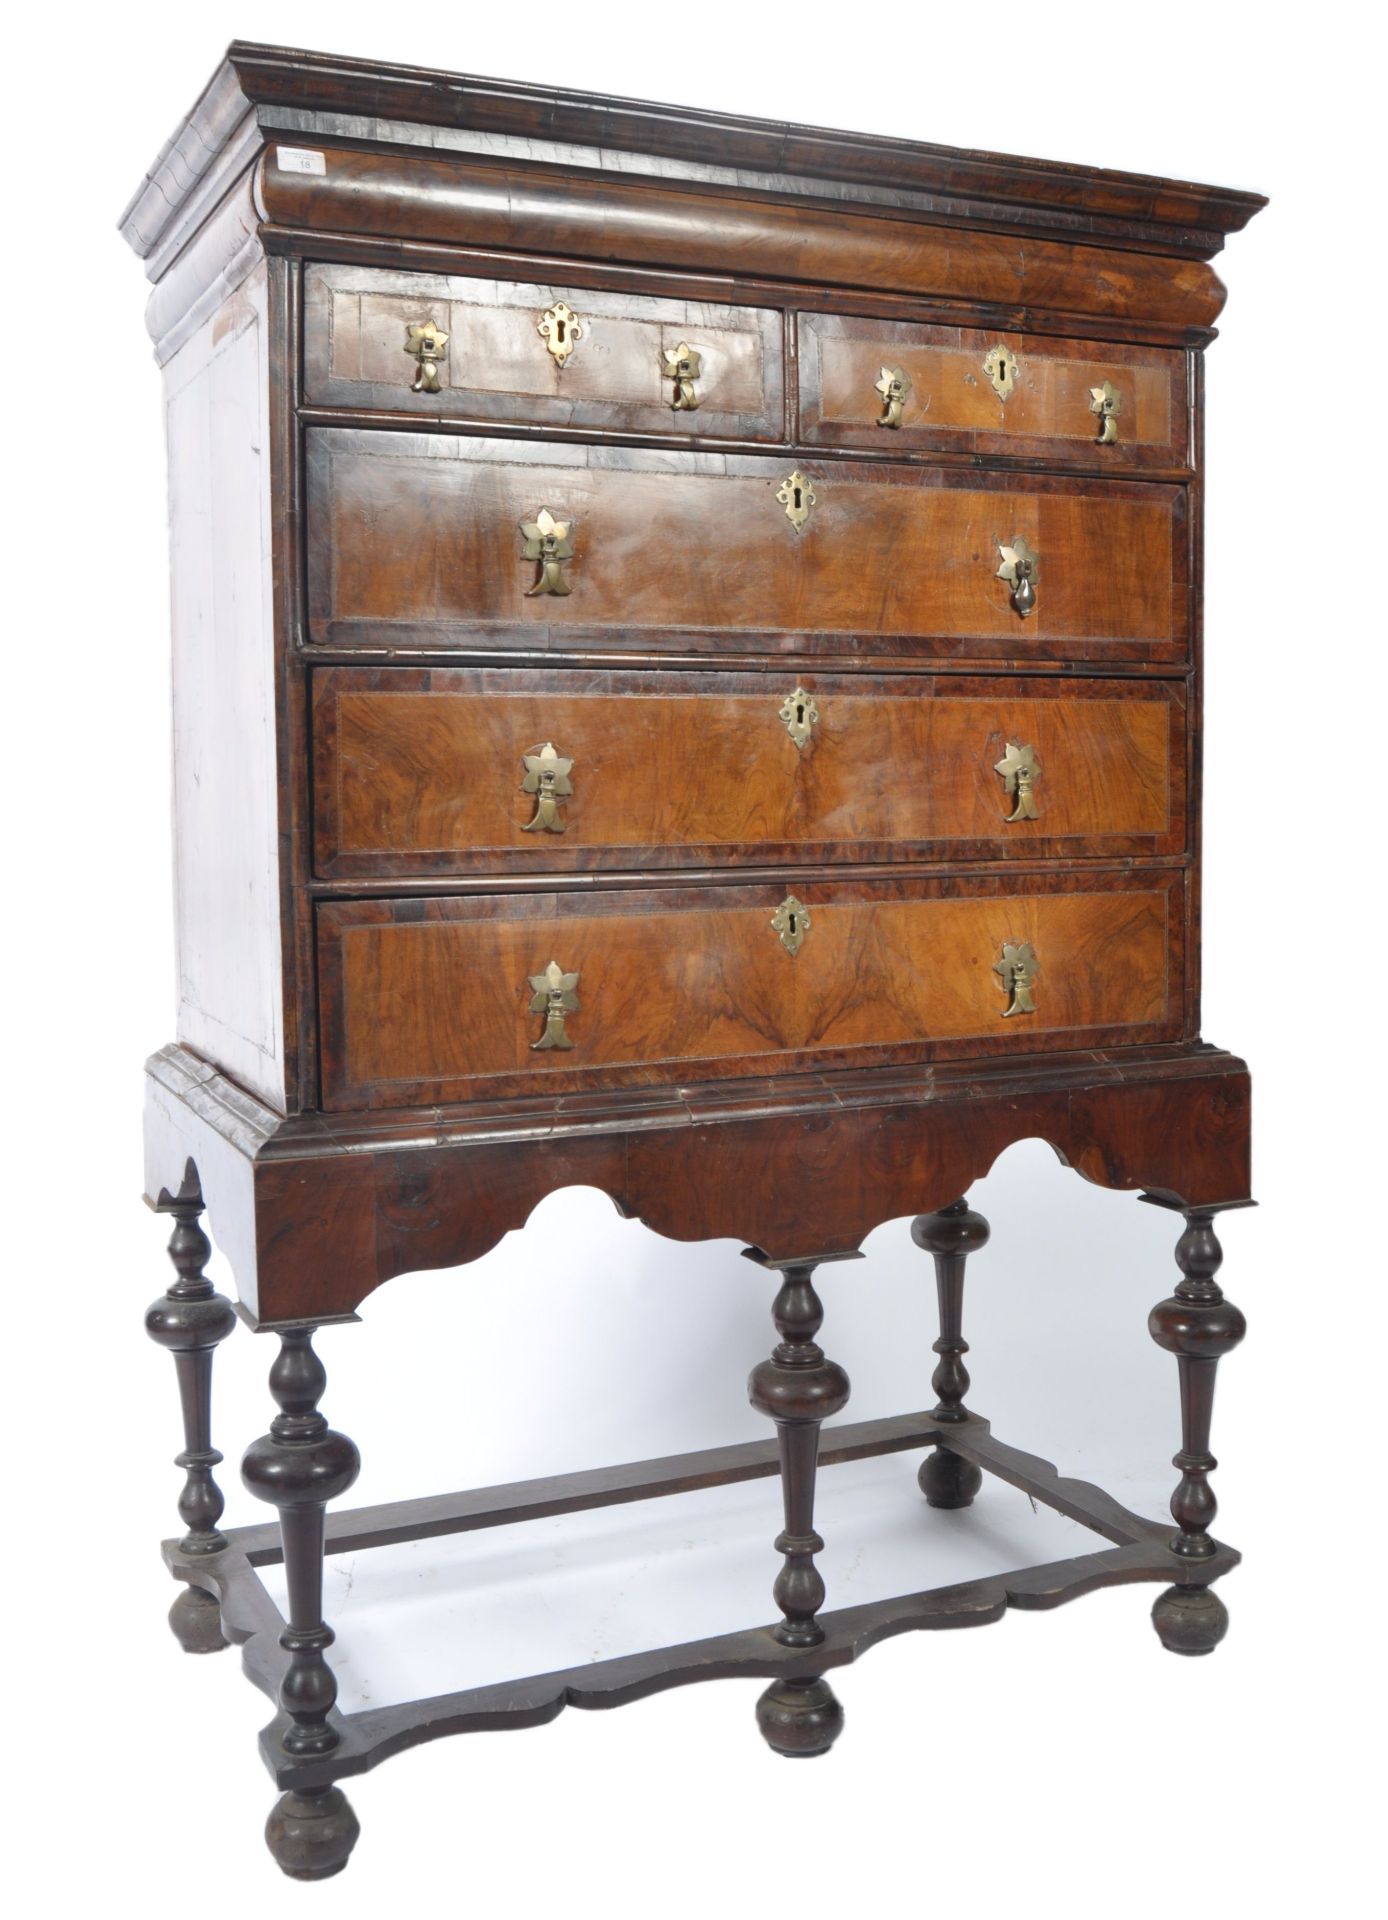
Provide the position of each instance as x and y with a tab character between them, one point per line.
418	771
497	366
426	999
463	202
415	541
952	403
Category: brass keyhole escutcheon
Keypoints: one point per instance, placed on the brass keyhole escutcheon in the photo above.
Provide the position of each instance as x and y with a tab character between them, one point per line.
547	777
791	921
894	386
1020	771
1020	568
550	542
561	329
1001	365
800	716
555	996
427	345
1107	402
797	496
1017	971
683	365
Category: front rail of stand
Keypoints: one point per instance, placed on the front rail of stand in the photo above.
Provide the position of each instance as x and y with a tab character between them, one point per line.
1140	1549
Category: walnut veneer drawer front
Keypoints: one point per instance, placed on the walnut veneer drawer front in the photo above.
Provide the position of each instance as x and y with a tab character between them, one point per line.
427	1000
864	383
553	356
452	770
433	541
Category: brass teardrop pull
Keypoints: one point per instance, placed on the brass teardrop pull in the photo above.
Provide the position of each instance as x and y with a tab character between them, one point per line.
427	344
550	542
1020	771
683	365
1017	971
555	996
547	777
1020	568
1107	402
894	386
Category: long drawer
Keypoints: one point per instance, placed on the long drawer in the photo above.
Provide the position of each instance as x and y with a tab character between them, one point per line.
868	383
422	771
440	541
429	1000
543	355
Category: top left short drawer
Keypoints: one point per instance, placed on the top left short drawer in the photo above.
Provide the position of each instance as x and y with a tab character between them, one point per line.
550	356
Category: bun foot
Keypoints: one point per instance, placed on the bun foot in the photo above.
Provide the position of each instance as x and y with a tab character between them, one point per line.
312	1834
1190	1619
195	1619
799	1718
948	1480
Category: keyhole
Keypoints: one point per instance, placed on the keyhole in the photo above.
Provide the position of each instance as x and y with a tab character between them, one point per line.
797	498
559	329
792	926
800	714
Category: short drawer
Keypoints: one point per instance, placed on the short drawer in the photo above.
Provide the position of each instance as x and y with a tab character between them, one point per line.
874	383
543	355
426	541
431	1000
422	771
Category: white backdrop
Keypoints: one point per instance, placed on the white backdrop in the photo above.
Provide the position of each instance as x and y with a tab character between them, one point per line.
1087	1760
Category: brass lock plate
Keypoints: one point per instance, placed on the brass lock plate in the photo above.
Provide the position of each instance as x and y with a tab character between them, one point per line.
1001	366
791	921
561	330
555	995
797	496
800	716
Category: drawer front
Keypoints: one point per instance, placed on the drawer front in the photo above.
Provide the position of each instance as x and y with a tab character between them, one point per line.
421	541
606	360
436	1000
991	393
424	771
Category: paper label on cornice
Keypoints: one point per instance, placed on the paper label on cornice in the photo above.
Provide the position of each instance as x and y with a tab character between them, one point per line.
300	160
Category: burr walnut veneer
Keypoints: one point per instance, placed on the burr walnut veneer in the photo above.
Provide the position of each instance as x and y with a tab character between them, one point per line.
687	655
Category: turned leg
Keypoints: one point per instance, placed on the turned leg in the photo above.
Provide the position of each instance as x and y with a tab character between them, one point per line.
189	1321
298	1467
1199	1326
798	1388
950	1236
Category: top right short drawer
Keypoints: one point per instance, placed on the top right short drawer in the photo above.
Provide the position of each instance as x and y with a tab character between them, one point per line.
1087	403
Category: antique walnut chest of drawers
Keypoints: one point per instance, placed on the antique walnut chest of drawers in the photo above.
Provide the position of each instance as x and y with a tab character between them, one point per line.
687	680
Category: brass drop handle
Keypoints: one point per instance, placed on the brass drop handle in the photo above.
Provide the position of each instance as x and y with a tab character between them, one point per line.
549	542
683	365
547	777
555	996
1020	771
427	344
894	386
1017	971
1107	402
1020	569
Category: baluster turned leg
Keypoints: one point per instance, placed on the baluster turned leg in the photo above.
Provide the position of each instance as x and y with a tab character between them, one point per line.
189	1321
1199	1326
951	1235
798	1388
298	1467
